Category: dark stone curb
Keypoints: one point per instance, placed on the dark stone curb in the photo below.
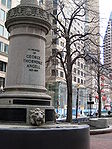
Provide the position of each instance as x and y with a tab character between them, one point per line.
52	138
101	131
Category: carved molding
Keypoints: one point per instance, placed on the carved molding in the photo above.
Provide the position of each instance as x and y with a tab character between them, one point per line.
28	11
28	14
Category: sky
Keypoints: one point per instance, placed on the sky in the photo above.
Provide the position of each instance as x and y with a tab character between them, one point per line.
105	10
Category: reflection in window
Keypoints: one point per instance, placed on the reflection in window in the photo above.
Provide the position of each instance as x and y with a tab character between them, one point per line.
6	34
1	30
3	2
2	15
9	4
1	46
6	48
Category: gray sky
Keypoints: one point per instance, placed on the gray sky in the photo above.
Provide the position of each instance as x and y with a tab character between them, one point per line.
105	9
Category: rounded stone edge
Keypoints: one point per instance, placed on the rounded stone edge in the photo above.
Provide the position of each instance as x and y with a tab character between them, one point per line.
60	138
101	131
27	14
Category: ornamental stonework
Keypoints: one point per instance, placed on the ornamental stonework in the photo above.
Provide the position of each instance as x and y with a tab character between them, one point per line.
28	11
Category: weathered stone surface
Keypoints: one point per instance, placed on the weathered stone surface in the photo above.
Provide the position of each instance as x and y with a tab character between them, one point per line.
37	117
28	25
50	138
30	2
98	123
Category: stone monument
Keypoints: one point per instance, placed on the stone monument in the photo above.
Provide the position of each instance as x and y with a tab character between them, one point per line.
24	100
25	89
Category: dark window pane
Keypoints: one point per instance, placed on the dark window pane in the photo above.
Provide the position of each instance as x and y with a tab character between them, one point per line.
61	74
6	48
2	66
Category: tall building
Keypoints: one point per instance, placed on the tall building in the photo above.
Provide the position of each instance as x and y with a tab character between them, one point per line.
5	5
107	57
92	16
107	43
55	77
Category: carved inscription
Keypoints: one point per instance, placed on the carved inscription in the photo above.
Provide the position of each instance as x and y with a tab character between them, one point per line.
32	60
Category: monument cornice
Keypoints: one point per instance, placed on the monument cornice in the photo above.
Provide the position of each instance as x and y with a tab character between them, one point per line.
34	13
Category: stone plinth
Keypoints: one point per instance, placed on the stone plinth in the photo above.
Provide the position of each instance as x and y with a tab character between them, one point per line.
55	138
25	89
98	123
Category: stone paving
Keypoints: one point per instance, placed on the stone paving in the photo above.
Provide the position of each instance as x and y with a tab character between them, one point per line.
101	141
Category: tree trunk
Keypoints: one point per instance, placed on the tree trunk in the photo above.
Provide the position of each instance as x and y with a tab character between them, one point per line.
69	99
99	94
77	101
69	82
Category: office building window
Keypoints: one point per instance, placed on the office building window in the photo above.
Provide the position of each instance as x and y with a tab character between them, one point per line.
61	74
40	1
55	61
56	72
55	41
79	64
55	31
54	51
8	4
6	48
1	30
74	70
55	11
2	66
74	79
2	15
1	46
81	73
2	82
81	81
3	2
6	34
54	3
78	72
53	72
78	80
54	21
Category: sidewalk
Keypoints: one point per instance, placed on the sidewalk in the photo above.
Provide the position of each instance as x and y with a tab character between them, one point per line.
101	141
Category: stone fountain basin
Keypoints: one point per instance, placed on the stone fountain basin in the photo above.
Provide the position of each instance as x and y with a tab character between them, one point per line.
46	137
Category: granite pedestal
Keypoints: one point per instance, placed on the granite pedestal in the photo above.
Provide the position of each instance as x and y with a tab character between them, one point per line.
25	89
52	138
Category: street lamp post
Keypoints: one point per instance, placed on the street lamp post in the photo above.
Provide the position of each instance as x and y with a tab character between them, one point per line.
90	102
77	100
90	99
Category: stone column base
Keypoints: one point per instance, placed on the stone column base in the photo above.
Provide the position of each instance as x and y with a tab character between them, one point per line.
50	138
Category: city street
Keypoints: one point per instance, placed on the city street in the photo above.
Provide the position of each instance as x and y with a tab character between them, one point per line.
102	141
